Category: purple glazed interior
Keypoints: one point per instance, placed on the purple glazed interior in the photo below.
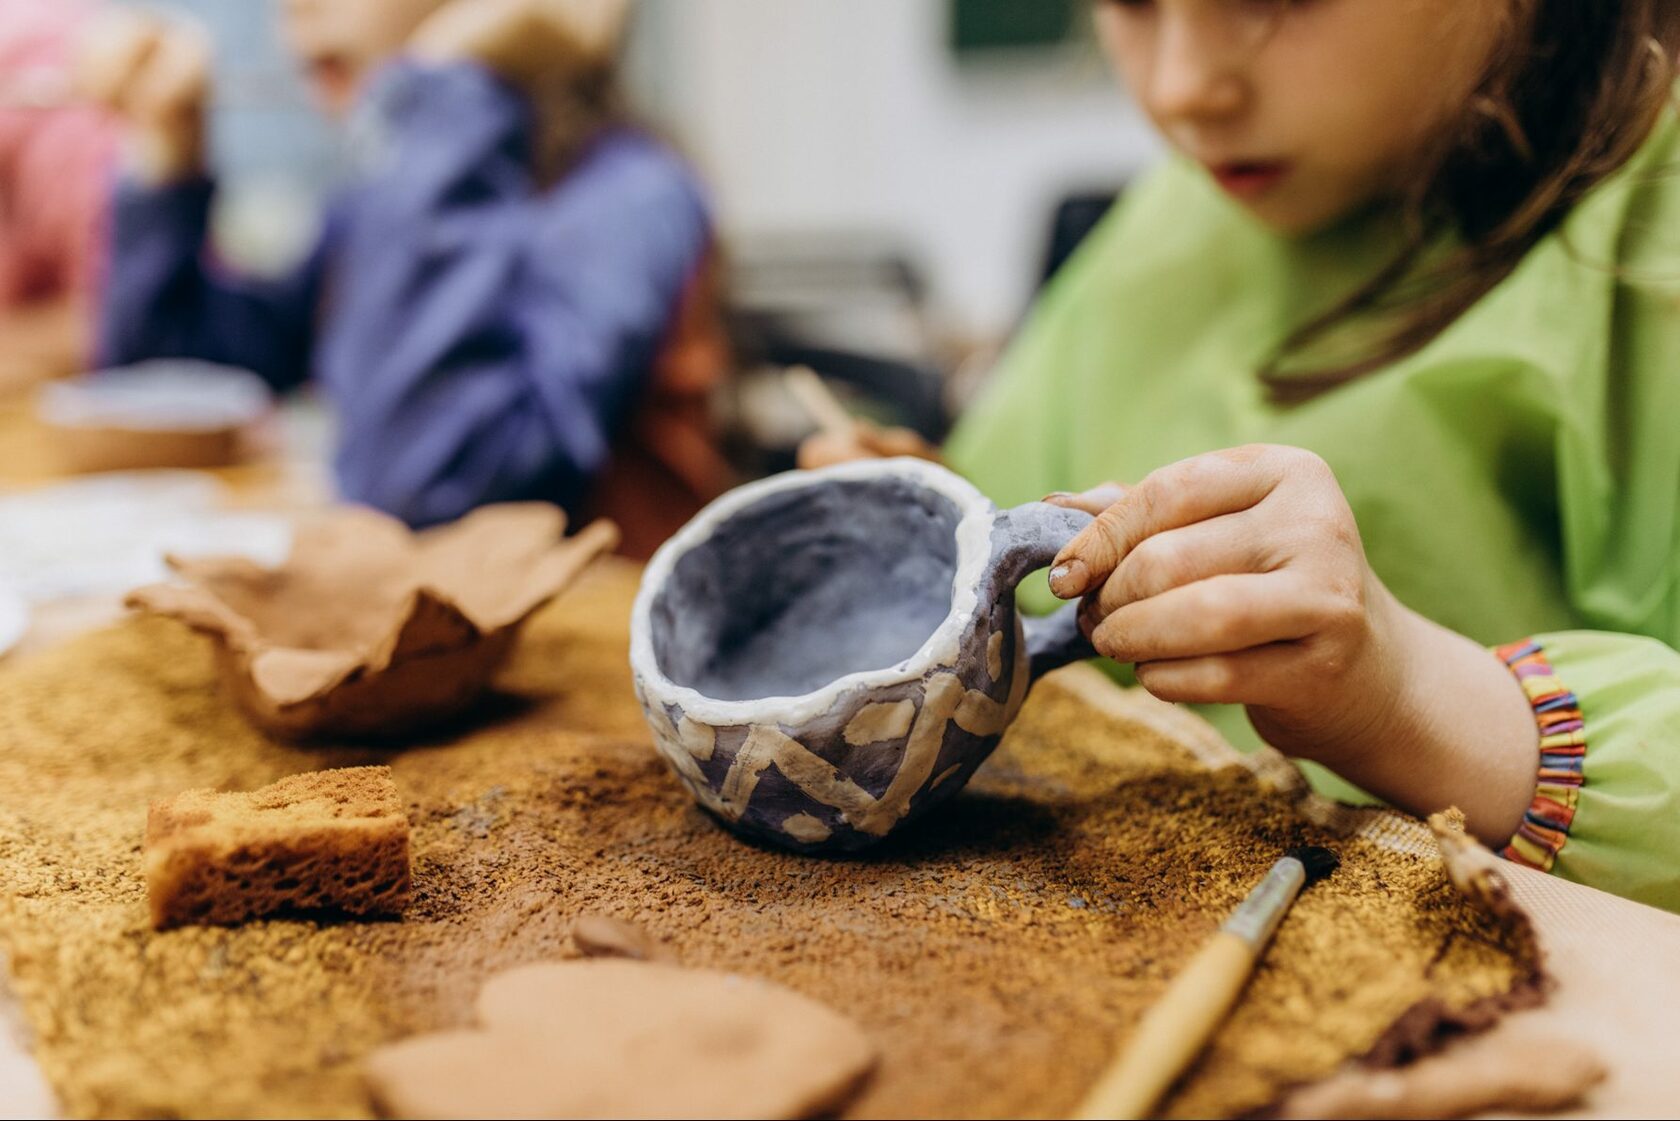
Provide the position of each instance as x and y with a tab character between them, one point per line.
807	585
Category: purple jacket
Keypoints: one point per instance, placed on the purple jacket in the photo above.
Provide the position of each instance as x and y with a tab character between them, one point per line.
480	340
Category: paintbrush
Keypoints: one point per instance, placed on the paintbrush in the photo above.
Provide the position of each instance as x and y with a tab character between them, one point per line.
1173	1032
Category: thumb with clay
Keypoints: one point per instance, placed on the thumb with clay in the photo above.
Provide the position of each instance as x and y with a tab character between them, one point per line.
1088	560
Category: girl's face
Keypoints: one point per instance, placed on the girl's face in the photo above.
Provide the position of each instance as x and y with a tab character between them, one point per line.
339	42
1302	110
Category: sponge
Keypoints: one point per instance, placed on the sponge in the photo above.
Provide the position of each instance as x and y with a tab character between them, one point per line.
328	840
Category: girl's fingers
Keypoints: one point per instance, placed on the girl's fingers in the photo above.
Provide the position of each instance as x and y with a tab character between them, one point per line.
1221	546
1214	616
1093	501
1260	675
825	449
895	442
1179	494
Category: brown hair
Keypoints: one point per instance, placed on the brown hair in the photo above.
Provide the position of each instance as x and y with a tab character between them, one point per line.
1570	97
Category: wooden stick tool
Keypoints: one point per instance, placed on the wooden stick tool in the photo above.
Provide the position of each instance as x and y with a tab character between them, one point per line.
1174	1031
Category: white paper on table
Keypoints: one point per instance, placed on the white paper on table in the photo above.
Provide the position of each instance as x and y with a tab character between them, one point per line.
107	534
14	619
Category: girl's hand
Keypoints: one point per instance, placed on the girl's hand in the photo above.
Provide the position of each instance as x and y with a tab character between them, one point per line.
155	75
1238	577
863	441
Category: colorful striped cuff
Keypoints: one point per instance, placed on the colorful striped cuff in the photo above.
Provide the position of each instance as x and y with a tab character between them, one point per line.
1563	749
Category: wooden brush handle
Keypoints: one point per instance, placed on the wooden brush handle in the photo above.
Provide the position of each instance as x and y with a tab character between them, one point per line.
818	400
1172	1032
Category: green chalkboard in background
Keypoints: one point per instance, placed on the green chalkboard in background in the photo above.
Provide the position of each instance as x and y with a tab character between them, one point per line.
993	25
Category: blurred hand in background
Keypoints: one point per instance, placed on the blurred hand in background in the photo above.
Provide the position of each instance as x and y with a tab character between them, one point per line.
863	441
154	75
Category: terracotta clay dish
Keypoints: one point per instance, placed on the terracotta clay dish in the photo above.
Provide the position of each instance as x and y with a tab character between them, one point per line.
369	629
159	414
617	1038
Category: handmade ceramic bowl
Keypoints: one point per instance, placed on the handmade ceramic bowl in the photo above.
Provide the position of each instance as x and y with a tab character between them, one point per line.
826	655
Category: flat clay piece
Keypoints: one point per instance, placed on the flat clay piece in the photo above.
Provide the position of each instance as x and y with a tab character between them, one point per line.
615	1038
327	840
1491	1074
600	936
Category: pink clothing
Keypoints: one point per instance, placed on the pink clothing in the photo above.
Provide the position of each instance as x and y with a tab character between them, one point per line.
55	162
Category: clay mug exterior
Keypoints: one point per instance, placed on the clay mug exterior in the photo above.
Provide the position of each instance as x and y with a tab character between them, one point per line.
826	655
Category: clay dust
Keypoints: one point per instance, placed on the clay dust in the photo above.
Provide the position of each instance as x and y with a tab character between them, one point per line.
993	954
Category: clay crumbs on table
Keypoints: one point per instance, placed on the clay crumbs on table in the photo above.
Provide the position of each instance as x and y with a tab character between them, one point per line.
992	955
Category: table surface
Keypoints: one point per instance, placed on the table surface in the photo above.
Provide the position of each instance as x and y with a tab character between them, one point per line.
1616	963
285	473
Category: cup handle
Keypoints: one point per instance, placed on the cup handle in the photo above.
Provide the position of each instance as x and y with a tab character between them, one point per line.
1025	539
1054	640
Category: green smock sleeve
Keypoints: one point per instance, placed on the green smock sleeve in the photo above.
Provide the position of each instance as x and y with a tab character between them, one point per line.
1606	811
1607	808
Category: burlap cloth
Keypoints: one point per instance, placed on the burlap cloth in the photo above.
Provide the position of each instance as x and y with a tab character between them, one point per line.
995	955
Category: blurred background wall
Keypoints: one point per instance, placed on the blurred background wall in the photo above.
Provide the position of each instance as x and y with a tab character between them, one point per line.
859	117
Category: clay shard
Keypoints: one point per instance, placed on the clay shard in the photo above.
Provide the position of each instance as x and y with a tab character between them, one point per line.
1473	869
327	840
615	1038
369	629
601	936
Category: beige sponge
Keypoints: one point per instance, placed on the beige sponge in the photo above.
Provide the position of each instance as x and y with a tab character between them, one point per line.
328	840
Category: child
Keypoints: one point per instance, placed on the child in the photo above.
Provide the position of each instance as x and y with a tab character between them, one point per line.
1389	352
55	162
494	292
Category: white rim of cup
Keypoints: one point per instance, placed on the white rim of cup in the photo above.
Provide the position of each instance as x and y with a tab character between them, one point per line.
941	648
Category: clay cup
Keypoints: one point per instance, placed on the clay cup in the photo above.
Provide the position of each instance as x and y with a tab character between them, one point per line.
824	656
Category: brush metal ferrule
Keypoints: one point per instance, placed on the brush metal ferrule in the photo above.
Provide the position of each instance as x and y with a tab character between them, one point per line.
1258	916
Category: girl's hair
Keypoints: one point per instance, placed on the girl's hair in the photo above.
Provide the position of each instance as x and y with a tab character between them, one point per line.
579	94
1572	94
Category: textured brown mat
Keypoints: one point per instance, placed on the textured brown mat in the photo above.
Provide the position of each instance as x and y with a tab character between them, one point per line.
993	955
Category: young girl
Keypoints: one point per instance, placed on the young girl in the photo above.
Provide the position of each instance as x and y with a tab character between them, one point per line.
508	299
1390	354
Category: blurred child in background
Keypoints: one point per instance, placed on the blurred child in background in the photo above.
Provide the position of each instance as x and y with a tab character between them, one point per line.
509	300
55	165
1388	353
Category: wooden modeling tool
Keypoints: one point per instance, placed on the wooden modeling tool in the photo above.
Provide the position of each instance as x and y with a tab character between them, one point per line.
818	400
1173	1032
